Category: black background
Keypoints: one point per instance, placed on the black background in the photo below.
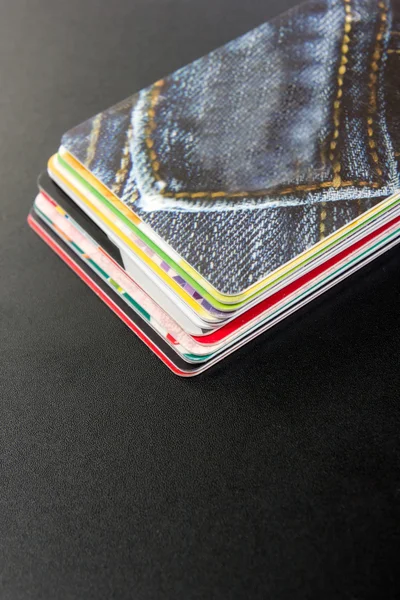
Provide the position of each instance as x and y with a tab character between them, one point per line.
275	476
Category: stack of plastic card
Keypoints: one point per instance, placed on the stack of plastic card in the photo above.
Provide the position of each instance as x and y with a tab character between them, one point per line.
210	206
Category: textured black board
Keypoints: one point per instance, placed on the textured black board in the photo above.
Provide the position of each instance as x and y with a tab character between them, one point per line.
276	476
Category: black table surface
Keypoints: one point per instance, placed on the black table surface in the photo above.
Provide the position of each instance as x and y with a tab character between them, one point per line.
275	476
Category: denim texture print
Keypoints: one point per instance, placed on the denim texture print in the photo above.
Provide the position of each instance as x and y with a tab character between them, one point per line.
252	154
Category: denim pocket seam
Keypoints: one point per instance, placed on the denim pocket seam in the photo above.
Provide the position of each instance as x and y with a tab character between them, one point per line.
373	78
336	182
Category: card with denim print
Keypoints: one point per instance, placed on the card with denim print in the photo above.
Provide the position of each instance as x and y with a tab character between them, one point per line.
256	153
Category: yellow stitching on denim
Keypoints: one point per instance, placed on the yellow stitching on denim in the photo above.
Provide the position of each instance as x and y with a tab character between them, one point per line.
322	218
94	138
150	128
393	51
125	160
276	191
334	154
372	84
